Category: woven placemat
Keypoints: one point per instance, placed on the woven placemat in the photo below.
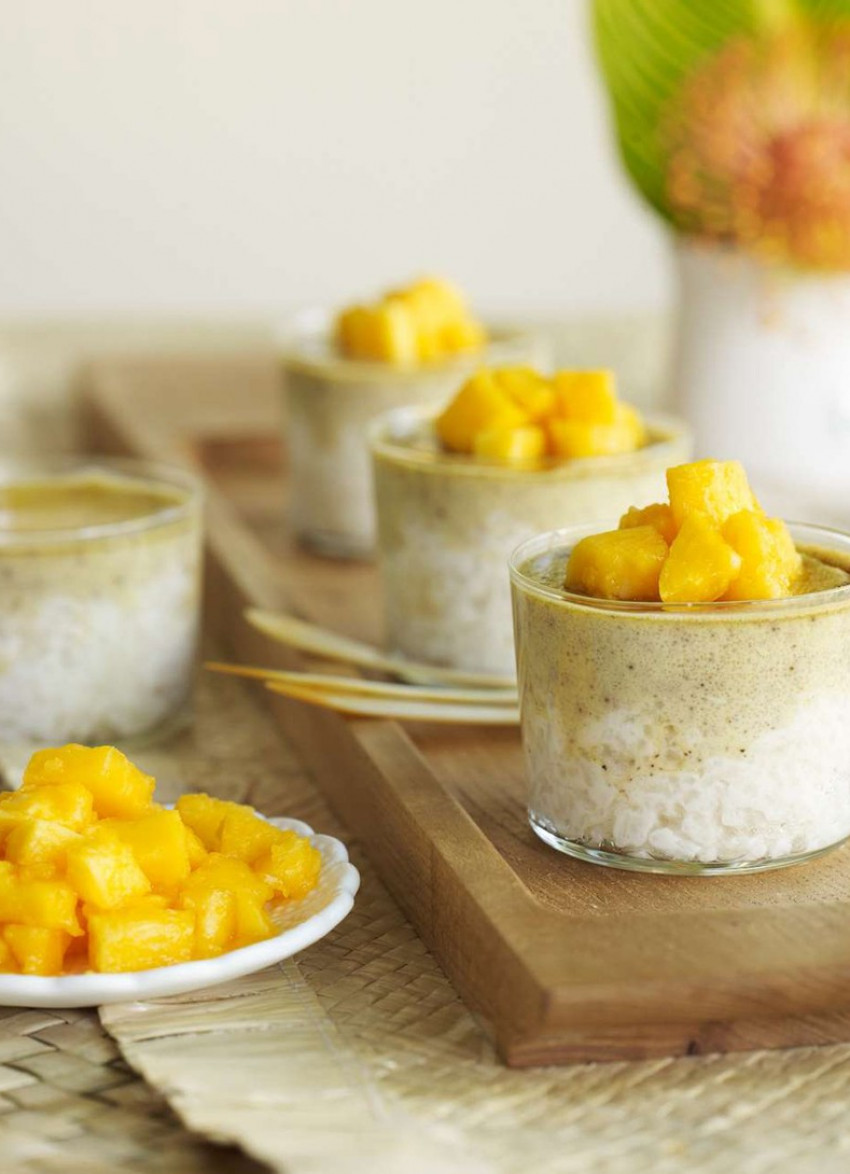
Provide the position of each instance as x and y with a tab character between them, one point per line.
358	1056
70	1104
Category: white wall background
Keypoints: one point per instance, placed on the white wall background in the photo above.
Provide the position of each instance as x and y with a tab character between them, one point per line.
243	156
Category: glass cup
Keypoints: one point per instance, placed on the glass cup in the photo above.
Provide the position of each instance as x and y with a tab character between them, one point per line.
447	524
698	738
100	577
330	400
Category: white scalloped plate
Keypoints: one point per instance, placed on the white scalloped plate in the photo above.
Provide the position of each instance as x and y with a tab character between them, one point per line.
301	924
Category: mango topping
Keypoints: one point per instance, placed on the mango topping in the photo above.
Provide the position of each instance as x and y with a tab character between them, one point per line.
711	542
424	322
95	875
516	415
619	564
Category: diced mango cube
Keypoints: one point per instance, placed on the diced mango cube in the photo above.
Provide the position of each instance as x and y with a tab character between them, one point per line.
50	904
8	962
581	438
465	334
711	490
104	870
480	405
204	814
118	788
215	920
701	565
226	872
158	842
382	333
244	835
69	804
513	445
195	850
253	923
37	950
618	564
532	391
138	939
292	866
769	560
587	396
40	846
659	515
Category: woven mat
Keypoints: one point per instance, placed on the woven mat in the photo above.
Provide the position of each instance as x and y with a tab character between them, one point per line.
358	1056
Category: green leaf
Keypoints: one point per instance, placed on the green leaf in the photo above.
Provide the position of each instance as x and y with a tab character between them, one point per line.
647	48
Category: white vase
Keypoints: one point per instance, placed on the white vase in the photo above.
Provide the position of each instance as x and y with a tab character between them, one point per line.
761	370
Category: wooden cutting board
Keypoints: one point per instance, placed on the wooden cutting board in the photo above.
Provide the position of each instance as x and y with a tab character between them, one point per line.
565	961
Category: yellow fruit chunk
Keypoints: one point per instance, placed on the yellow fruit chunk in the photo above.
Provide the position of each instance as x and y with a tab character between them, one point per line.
118	788
138	939
618	564
480	406
700	566
49	904
658	515
204	815
104	870
225	872
69	804
581	438
588	396
513	445
384	333
769	560
253	923
35	949
711	490
40	847
158	842
292	866
8	962
529	389
215	920
244	835
195	850
463	335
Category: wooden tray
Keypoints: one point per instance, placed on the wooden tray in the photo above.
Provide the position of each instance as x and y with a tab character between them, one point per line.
566	961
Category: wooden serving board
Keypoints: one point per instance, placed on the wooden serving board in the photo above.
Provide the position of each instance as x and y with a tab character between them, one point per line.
566	961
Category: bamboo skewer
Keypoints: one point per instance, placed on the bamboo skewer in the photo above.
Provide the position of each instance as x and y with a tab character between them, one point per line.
360	686
332	646
402	708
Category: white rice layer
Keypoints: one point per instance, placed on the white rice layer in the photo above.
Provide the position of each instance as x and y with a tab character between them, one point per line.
785	793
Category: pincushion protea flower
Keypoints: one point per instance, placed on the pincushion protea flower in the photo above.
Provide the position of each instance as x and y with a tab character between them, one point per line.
759	149
734	119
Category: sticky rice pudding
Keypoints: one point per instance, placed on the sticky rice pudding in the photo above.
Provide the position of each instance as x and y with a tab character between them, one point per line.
99	600
340	371
697	725
448	519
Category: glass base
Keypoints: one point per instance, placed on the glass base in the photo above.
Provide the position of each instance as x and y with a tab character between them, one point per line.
611	858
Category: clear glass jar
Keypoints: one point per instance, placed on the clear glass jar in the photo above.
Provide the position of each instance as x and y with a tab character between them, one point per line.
100	579
447	524
330	400
699	738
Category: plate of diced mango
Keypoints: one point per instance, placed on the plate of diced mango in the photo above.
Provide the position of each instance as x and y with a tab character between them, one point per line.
107	896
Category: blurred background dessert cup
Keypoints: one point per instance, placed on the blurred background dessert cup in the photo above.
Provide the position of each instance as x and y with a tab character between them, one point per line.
329	400
448	522
100	576
693	738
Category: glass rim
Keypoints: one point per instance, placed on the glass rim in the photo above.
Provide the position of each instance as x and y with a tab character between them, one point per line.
156	474
316	322
670	431
566	539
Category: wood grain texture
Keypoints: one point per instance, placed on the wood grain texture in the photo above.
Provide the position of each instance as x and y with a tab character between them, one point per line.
566	961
